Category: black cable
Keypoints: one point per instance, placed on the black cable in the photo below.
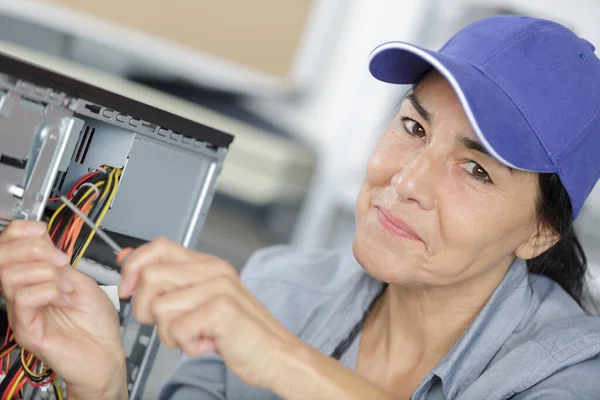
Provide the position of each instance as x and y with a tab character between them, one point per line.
102	253
99	206
38	379
12	372
64	217
94	214
65	211
8	345
60	223
55	391
41	379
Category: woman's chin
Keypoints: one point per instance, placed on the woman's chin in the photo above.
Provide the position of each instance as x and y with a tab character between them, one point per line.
380	263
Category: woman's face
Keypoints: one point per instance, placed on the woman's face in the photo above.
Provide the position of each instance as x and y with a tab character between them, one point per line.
434	207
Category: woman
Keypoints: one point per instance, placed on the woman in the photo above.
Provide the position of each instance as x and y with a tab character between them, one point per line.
465	275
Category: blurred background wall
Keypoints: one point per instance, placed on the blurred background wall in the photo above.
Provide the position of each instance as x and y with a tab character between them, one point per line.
288	78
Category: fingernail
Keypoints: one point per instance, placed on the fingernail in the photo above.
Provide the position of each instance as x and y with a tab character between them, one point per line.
61	258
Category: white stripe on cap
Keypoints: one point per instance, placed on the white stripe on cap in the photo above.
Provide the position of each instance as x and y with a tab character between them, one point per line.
457	89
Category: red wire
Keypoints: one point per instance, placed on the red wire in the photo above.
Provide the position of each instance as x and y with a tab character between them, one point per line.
56	228
64	241
7	335
70	195
5	343
23	382
66	235
40	384
12	382
49	380
79	182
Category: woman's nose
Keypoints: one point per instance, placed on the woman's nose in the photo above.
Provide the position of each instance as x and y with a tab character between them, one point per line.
415	182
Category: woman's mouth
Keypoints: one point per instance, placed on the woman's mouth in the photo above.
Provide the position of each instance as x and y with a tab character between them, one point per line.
395	225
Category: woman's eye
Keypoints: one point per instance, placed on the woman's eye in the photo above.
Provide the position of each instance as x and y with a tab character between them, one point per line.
478	172
413	127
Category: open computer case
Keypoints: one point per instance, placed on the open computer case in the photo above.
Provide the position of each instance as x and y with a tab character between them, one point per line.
57	132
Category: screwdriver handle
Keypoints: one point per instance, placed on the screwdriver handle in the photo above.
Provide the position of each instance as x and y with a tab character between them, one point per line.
122	256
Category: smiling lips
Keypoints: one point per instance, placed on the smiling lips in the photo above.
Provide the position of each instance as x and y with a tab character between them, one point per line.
396	226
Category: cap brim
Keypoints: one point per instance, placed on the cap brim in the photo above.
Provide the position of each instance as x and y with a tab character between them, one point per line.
497	122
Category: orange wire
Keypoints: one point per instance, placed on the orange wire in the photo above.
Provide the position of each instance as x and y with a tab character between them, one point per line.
23	382
71	232
74	230
78	225
69	240
7	351
66	237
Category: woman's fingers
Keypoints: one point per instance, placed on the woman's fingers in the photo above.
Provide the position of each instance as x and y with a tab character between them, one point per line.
28	287
21	229
159	281
214	319
156	252
17	276
24	312
30	249
165	309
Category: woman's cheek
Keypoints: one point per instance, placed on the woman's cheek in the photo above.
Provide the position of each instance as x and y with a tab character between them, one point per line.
383	164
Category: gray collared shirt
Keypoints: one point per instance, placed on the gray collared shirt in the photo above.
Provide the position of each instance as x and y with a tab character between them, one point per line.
530	341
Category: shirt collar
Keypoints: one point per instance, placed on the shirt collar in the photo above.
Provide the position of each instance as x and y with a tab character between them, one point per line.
487	333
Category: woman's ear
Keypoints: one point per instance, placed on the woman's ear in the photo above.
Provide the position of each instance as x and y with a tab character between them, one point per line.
540	240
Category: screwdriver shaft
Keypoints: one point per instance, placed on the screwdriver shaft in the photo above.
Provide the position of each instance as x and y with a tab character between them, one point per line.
113	245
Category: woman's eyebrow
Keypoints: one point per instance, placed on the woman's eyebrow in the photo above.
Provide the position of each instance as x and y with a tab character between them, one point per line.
473	144
417	105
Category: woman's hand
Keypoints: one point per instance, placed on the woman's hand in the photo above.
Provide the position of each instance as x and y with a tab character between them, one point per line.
60	314
199	305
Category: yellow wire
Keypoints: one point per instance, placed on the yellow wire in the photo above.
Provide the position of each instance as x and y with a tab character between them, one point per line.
25	364
62	206
14	388
57	389
117	174
58	392
109	183
85	196
58	210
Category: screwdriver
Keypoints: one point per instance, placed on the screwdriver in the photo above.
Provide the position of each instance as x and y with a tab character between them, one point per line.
121	253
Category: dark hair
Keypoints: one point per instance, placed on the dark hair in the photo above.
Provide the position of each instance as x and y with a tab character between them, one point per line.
565	262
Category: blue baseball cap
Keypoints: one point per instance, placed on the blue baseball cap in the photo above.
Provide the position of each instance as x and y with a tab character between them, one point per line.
529	87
